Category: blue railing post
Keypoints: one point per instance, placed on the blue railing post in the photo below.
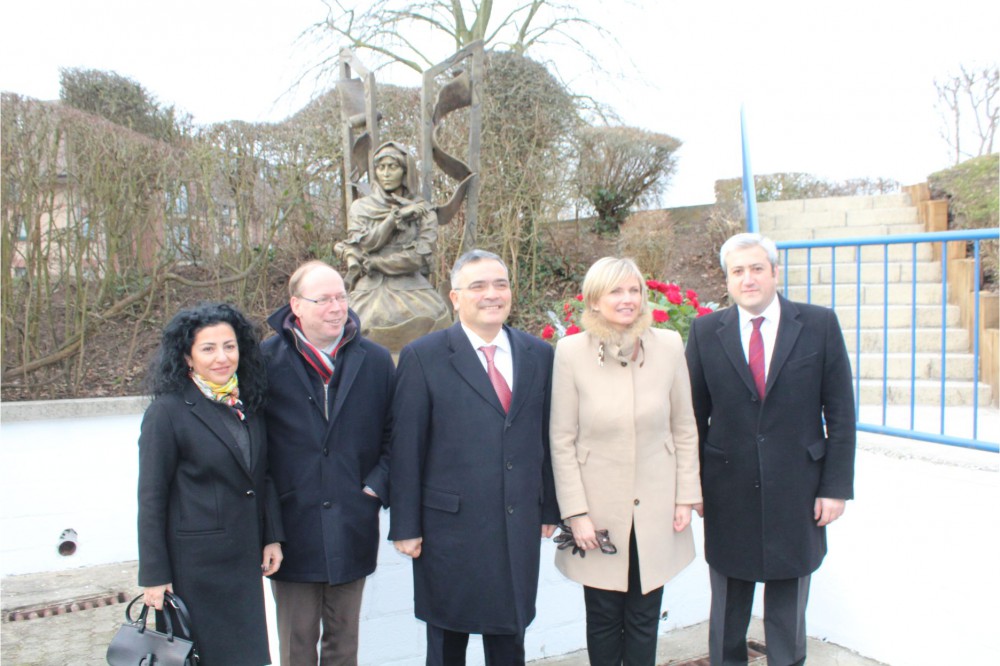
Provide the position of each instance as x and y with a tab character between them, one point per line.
975	341
749	191
913	336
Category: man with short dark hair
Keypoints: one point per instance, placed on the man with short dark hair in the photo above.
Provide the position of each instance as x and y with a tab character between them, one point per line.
472	482
765	375
329	396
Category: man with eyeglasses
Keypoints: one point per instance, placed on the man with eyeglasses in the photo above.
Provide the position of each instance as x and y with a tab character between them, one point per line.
328	408
472	489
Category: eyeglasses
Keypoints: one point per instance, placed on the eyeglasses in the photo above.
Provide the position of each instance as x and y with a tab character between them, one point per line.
326	300
481	286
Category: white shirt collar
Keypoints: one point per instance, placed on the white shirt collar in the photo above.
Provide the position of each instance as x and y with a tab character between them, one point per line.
501	340
771	314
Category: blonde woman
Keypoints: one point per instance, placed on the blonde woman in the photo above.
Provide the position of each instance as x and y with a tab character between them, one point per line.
625	458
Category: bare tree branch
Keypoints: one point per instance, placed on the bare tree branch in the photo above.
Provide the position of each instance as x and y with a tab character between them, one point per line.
394	29
970	93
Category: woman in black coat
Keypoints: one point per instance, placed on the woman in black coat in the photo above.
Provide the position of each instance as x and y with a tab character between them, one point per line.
209	524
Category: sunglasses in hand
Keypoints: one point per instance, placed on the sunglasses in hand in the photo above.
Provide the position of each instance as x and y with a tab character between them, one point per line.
565	540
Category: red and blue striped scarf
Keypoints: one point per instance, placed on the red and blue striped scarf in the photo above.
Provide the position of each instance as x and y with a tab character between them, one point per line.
316	358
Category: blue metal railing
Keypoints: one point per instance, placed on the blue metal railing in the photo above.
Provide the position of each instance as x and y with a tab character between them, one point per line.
944	432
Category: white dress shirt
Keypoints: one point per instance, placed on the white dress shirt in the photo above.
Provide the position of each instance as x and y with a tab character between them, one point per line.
503	359
768	331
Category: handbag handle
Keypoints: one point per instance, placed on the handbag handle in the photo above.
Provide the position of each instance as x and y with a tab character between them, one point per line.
183	616
140	622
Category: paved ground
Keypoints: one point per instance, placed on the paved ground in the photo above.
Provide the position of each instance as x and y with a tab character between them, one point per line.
81	637
77	637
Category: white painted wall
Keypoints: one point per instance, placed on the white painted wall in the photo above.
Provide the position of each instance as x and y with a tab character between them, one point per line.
911	579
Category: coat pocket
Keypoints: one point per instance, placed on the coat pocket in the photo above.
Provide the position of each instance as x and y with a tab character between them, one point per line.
441	500
817	450
712	451
803	361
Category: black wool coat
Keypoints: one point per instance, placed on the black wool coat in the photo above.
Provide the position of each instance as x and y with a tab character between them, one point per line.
204	518
474	482
324	448
764	463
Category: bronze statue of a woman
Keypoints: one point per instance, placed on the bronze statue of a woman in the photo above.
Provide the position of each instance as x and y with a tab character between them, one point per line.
391	235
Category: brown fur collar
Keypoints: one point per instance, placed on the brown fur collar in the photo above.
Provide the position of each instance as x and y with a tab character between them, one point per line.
619	342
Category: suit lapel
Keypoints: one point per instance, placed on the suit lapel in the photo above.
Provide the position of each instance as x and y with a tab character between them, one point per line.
349	365
729	337
789	328
525	365
298	367
212	417
466	362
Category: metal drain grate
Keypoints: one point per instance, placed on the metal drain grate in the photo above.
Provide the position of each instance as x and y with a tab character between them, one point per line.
85	603
755	650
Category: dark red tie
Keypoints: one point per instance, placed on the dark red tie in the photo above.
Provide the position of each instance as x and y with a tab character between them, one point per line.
757	356
499	383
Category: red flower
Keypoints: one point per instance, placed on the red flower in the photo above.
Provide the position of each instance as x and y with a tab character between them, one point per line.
548	332
569	316
704	311
660	316
694	301
691	294
572	329
674	296
579	297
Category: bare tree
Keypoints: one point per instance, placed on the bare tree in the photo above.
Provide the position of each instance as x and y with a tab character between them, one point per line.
397	30
972	93
620	167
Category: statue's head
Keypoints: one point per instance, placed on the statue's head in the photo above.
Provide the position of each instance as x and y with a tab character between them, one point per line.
393	167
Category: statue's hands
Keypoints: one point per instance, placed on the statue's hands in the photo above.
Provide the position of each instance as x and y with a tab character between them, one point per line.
410	212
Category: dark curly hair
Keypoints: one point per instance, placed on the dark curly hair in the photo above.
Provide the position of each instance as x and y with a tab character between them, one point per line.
169	371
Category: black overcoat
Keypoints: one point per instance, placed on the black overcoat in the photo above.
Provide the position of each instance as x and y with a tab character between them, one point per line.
204	518
763	464
474	482
324	449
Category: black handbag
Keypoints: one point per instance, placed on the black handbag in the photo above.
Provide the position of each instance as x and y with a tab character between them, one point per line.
137	645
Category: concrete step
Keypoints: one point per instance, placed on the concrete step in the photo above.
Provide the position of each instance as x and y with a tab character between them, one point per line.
899	316
871	294
861	202
849	223
928	392
900	340
871	272
807	229
924	365
902	252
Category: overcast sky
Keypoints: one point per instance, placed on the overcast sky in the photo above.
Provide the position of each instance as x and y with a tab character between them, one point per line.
838	89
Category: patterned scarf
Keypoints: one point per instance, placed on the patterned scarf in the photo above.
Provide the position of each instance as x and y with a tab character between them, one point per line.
228	393
318	359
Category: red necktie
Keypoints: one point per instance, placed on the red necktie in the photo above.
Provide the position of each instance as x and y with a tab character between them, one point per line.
757	356
499	383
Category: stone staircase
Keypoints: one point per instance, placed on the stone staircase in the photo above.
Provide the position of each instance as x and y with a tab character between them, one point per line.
886	292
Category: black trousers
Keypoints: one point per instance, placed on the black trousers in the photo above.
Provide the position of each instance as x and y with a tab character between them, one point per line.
447	648
622	626
784	620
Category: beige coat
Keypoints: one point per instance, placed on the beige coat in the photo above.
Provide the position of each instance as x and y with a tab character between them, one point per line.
625	448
